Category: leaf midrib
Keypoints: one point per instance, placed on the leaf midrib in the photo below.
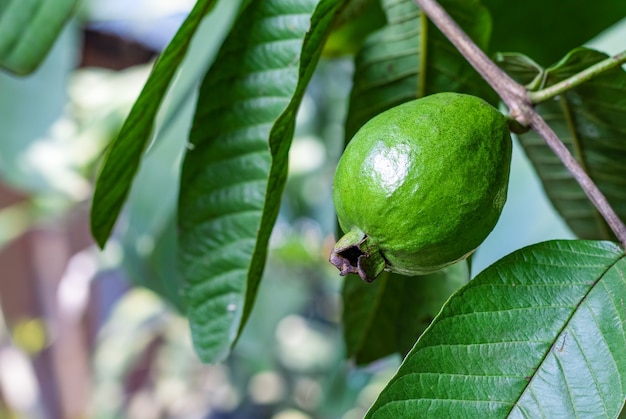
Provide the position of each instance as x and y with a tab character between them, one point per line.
560	332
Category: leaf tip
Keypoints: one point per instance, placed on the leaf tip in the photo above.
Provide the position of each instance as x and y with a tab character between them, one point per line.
100	227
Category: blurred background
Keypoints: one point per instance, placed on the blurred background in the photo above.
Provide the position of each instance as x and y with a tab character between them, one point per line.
82	334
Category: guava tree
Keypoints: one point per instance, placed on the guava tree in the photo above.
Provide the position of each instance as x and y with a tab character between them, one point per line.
541	332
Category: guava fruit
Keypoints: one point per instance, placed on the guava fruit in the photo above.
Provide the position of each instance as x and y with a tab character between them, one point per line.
420	186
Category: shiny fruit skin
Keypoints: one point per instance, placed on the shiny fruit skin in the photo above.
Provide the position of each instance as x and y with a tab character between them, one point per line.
425	181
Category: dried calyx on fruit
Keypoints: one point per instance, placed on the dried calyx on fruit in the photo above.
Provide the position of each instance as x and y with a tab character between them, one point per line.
420	186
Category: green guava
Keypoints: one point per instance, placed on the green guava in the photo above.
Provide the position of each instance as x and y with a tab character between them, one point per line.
420	186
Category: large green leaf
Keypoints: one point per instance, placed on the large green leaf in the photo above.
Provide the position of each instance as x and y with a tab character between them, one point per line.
388	315
541	333
410	58
591	120
28	29
236	167
124	154
544	30
148	231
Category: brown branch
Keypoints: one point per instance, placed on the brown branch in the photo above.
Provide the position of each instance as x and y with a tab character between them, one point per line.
586	183
511	92
515	96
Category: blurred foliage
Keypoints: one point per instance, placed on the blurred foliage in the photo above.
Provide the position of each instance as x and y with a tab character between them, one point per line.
289	358
35	127
28	29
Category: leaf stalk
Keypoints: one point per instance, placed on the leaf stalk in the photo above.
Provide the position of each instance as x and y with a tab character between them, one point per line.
577	79
520	105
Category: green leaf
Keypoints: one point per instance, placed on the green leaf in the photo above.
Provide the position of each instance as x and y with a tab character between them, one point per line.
591	120
28	29
236	167
521	68
410	58
388	315
546	30
357	20
148	232
124	154
541	333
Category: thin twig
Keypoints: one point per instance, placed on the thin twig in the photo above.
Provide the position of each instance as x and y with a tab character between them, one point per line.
583	179
514	95
511	92
577	79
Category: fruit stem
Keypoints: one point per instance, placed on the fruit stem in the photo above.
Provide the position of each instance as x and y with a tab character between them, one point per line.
577	79
515	96
354	255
